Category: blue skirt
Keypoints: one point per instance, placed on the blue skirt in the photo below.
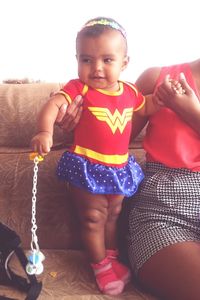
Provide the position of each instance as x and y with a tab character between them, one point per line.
100	179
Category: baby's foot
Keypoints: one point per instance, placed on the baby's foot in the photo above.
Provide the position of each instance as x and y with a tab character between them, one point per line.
106	279
120	269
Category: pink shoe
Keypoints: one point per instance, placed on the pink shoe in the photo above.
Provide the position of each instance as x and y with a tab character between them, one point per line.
120	269
106	279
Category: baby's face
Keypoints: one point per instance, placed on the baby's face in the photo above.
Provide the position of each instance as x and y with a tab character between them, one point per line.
101	59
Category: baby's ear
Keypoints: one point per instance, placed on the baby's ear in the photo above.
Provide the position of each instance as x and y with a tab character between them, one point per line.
125	62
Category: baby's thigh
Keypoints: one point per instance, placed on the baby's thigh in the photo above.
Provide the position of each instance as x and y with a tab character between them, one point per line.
88	205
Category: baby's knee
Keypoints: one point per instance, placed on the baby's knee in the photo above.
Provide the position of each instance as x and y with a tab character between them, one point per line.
94	218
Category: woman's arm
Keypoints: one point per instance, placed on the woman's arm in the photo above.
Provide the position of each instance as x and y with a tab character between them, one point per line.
69	116
146	82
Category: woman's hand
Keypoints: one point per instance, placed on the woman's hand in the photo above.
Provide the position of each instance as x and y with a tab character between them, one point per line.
180	97
69	115
176	94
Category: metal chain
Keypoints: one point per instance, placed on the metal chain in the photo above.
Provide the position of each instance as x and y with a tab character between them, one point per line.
34	241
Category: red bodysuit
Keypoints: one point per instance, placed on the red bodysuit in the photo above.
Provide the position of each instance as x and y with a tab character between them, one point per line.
103	133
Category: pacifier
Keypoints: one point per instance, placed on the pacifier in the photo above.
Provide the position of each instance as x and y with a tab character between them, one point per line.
35	265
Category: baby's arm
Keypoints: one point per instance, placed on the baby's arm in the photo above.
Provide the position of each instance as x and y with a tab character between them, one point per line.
151	106
43	140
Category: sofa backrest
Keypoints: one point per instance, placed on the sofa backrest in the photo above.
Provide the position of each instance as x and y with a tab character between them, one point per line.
19	107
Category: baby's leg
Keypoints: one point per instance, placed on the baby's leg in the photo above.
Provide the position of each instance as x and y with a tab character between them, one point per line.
93	213
114	209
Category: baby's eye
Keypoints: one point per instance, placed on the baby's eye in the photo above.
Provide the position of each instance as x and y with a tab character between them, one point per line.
108	60
86	60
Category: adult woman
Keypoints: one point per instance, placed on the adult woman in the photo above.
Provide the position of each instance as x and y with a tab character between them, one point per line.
164	220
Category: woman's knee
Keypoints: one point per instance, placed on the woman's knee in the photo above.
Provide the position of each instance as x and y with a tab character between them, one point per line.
173	273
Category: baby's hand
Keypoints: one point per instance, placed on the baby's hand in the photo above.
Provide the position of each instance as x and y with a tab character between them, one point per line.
42	143
176	86
170	90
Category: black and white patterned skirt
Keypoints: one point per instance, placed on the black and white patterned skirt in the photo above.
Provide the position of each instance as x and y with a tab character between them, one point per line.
165	211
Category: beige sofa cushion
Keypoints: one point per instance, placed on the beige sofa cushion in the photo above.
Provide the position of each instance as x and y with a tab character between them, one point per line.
67	276
56	220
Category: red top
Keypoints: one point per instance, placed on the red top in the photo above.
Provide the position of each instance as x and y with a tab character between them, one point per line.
104	129
169	140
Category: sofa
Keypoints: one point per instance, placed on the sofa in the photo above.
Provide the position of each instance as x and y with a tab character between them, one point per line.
67	274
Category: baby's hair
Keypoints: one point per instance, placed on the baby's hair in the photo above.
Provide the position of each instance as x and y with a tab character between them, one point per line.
95	27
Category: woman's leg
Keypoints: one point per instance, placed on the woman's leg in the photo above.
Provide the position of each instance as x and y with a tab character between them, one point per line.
163	233
173	273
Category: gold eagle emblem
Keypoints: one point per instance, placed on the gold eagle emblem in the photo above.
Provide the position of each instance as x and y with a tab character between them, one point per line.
114	121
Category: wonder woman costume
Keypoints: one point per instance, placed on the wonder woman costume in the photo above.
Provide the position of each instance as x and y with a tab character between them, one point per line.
98	159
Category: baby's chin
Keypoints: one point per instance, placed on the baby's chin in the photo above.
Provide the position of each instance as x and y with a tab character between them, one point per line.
97	83
102	83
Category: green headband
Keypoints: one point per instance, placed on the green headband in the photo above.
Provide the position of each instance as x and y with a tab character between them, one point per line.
106	22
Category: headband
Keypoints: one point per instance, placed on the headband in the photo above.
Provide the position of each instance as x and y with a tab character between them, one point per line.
106	22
